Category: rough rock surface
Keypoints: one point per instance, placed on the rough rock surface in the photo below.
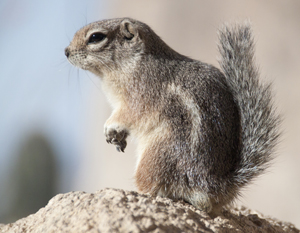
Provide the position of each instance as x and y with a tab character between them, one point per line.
112	210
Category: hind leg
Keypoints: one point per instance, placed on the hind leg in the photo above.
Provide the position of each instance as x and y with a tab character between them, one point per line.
155	175
150	178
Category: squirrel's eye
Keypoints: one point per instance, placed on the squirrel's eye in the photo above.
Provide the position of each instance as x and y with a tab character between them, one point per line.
96	37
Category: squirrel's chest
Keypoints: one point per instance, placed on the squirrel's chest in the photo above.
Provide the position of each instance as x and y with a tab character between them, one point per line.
114	91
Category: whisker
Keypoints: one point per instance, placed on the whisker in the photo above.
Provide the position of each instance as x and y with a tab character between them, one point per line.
91	79
69	75
79	84
62	64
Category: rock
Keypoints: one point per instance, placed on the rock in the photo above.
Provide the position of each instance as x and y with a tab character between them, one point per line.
112	210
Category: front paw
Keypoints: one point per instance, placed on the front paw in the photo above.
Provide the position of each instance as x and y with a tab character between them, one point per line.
116	136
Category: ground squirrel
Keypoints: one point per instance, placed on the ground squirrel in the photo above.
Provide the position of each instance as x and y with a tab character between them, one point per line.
202	134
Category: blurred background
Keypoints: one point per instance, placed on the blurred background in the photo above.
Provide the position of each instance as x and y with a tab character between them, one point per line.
52	114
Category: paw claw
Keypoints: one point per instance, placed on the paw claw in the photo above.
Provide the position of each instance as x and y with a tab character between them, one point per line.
114	140
119	149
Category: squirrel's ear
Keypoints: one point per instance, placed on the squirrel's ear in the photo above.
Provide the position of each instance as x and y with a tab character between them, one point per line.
128	29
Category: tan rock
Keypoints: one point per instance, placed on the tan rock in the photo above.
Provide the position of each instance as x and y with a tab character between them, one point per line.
112	210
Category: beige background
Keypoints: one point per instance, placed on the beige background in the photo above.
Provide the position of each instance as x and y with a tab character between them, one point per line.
190	28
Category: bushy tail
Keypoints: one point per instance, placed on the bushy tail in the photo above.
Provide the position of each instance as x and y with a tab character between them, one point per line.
259	122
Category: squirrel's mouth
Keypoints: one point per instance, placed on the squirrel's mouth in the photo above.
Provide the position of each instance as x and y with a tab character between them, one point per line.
78	64
79	61
77	58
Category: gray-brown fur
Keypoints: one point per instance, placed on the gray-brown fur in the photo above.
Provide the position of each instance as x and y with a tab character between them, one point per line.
202	134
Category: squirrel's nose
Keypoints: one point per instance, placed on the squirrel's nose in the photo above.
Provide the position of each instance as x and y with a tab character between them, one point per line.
67	52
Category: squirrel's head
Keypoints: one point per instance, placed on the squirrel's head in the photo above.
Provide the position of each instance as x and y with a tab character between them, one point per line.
111	45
